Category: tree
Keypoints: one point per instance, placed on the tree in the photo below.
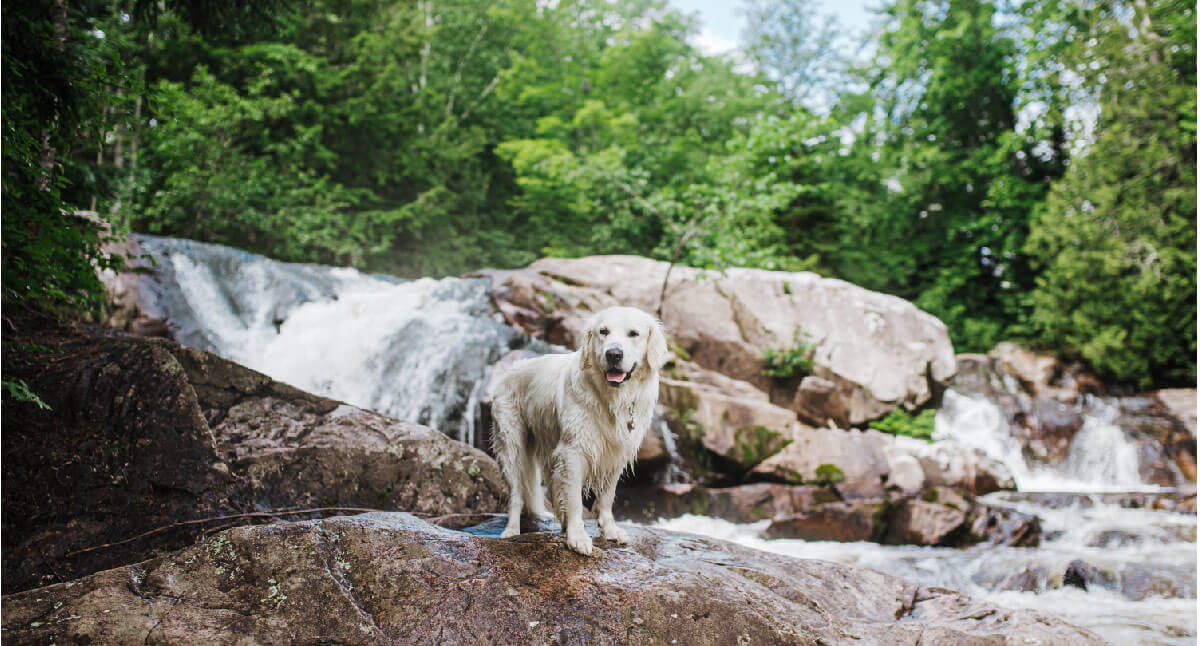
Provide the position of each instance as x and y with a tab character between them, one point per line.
55	73
1116	240
800	50
625	132
70	86
963	180
361	135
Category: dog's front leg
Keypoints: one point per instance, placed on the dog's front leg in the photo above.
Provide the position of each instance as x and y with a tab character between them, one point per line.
604	505
569	471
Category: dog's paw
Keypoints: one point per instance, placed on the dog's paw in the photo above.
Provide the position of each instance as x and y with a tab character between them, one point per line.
509	532
615	533
580	542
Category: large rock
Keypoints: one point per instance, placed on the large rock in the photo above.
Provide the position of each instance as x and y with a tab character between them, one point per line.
873	352
921	522
845	522
1181	402
144	433
1164	430
391	578
729	418
945	463
853	461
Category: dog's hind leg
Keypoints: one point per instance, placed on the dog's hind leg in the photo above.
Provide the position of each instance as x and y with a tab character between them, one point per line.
533	491
509	446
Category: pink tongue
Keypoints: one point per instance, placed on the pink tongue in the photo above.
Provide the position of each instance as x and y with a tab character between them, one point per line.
615	376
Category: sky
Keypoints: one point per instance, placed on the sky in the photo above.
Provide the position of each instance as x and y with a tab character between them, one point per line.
722	22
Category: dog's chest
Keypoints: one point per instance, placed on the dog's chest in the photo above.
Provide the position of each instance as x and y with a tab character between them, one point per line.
626	428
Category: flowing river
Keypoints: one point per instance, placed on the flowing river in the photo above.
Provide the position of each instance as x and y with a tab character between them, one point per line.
421	350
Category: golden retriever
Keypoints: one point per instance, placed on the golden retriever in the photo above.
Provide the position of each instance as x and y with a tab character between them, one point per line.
575	421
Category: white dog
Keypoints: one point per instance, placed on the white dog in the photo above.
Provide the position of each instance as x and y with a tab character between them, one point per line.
575	421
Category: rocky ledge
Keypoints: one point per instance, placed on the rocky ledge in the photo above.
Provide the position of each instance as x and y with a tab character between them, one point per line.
937	516
393	578
144	439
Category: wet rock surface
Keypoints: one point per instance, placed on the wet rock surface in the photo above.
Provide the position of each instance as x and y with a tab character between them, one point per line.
1182	500
144	433
392	578
938	516
855	520
909	521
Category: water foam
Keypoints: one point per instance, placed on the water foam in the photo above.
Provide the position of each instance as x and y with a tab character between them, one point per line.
417	350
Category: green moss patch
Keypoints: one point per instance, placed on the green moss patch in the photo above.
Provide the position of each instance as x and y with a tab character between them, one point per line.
829	474
753	444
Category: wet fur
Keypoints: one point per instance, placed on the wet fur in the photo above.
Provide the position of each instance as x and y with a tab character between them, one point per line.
559	422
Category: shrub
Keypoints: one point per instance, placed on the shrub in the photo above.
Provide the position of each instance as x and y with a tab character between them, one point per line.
795	361
899	422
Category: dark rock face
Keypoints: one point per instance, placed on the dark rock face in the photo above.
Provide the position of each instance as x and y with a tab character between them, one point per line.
855	520
917	522
144	433
1135	581
1000	526
741	504
1082	575
937	517
391	578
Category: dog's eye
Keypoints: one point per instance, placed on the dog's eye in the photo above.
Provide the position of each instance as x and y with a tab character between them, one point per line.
603	331
632	333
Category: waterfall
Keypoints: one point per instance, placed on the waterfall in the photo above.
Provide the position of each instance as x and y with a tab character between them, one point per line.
417	350
1100	458
672	473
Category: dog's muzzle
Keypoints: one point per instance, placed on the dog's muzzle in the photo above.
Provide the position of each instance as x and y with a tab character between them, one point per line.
614	375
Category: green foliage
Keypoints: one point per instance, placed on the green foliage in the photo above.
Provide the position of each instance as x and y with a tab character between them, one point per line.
795	361
55	76
900	422
1116	240
829	474
952	227
19	391
798	48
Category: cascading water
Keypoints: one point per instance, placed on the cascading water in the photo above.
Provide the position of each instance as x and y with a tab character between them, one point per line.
417	350
1101	457
1140	564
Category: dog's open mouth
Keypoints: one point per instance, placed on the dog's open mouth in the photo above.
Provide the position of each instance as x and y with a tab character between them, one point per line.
616	377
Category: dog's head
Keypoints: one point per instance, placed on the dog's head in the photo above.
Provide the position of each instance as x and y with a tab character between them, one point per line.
623	343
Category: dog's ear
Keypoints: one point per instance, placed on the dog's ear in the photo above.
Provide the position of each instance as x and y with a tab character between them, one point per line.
656	345
585	350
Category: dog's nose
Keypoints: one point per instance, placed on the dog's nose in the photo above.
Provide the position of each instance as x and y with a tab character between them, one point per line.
613	355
